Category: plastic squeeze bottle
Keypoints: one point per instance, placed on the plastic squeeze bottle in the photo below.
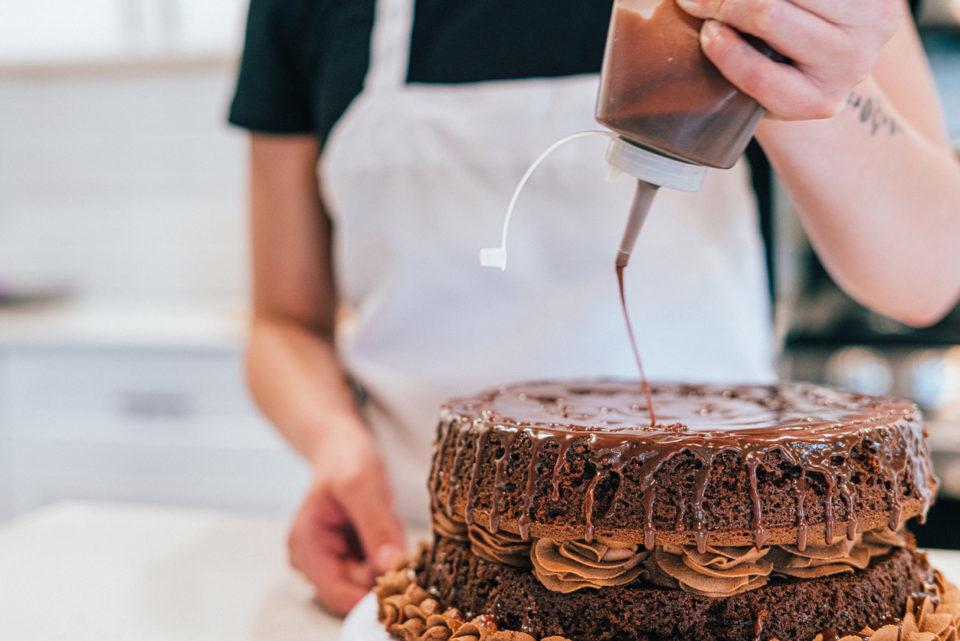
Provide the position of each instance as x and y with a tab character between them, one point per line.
674	112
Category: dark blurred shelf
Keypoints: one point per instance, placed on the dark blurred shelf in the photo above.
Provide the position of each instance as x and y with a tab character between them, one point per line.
845	338
942	529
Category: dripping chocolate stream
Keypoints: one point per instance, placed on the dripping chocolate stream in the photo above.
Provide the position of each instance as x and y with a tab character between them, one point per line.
441	444
482	439
701	481
802	528
756	518
506	442
453	483
562	449
633	343
814	429
526	513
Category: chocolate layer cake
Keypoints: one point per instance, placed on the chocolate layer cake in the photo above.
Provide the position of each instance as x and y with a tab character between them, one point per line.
744	513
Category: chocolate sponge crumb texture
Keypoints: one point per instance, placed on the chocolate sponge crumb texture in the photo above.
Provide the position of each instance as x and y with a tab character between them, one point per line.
745	512
412	613
727	465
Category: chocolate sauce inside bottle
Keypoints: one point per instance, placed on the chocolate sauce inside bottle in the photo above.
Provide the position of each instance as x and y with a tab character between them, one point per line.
659	90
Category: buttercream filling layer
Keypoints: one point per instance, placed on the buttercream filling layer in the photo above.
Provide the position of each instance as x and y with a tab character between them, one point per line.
568	566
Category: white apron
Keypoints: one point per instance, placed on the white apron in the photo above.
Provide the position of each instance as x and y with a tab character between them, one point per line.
416	178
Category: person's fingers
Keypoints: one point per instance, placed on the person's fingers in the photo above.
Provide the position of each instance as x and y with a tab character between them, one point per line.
368	502
338	596
320	553
338	602
757	17
361	573
335	591
880	15
832	47
784	90
788	28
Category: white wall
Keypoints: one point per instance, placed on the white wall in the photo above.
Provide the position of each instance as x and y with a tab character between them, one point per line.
84	30
128	186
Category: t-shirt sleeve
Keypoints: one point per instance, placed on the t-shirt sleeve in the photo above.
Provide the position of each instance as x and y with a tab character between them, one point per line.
272	92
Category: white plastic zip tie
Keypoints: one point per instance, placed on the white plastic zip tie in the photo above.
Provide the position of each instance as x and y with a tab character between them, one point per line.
497	256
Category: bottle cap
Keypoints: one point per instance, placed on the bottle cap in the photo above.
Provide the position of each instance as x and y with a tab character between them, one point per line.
494	257
653	167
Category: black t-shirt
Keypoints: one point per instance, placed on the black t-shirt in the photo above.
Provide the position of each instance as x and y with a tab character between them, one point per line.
305	60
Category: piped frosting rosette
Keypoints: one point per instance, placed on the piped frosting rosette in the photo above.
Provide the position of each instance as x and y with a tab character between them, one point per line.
718	571
502	547
843	556
450	527
571	565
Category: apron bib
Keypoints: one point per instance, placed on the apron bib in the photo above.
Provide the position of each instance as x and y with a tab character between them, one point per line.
416	178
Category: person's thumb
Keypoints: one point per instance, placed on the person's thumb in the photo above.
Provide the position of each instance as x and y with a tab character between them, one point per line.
368	501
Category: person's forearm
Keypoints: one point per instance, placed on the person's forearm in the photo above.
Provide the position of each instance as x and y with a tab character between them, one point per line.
299	384
292	365
880	202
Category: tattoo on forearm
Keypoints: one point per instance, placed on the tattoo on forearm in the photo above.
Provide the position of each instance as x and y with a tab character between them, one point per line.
870	112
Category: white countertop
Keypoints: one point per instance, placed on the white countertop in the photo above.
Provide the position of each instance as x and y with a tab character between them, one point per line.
98	572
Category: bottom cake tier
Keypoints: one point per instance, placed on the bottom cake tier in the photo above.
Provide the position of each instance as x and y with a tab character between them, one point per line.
449	593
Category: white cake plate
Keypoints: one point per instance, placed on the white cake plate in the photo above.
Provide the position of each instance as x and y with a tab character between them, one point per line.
362	625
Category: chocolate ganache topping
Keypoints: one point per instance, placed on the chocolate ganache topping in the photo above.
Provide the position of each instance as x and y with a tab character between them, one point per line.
504	456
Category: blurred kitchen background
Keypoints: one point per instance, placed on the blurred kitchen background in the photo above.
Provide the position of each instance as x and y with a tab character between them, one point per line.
123	266
123	258
827	337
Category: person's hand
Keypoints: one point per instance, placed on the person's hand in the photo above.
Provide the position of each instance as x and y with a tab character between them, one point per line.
346	532
833	46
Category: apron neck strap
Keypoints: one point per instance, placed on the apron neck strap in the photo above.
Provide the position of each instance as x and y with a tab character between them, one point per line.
390	44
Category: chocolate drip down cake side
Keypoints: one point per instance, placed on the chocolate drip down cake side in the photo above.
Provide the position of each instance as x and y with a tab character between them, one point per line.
746	513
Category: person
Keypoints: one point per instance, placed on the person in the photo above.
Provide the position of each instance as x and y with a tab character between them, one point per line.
387	136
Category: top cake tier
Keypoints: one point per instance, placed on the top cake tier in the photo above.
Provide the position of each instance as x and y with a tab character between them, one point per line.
724	465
